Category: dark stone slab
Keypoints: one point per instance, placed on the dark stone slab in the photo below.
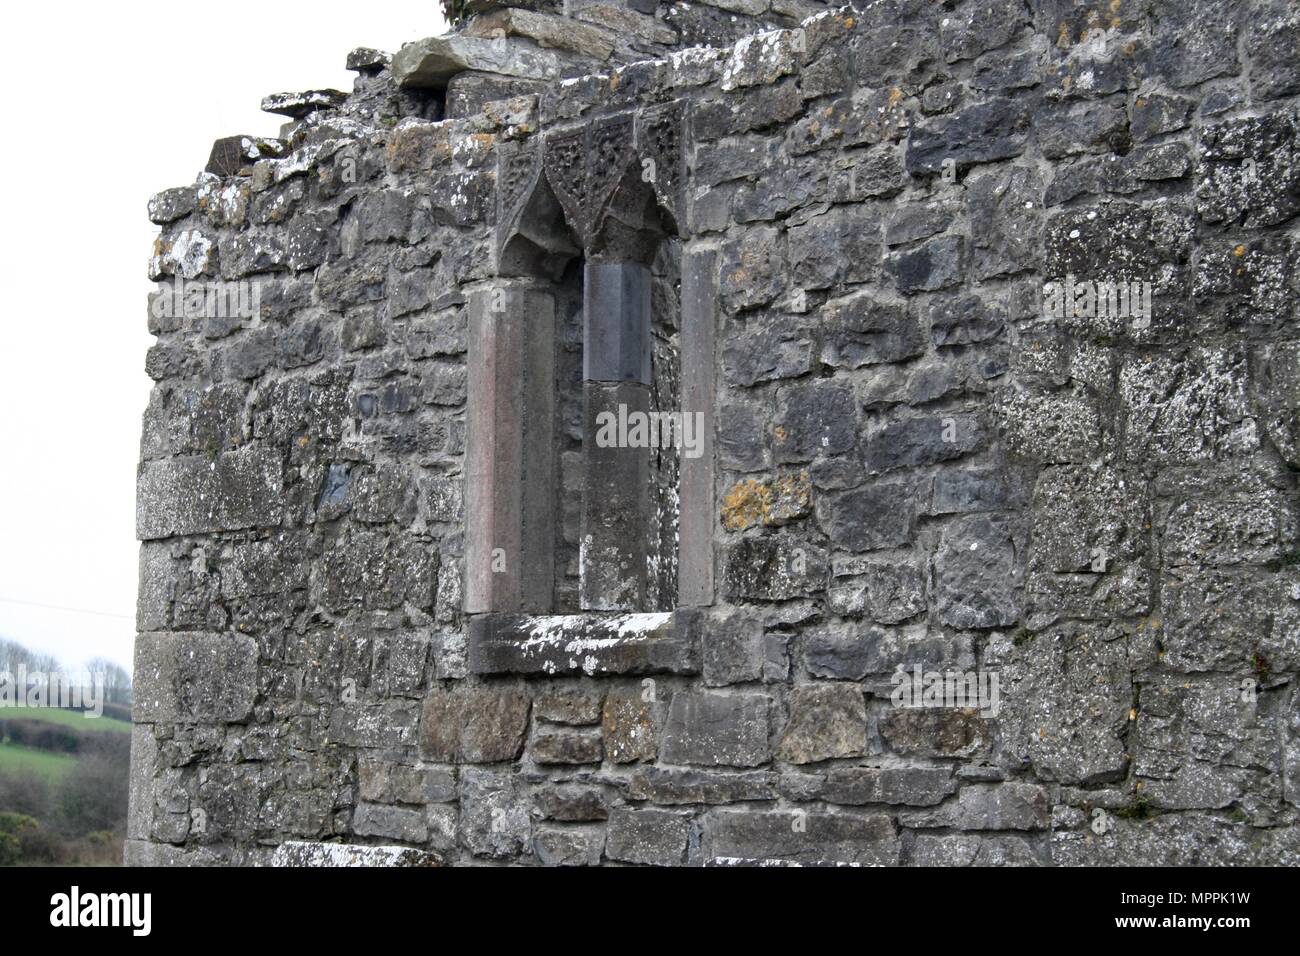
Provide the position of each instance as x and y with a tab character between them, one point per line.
616	322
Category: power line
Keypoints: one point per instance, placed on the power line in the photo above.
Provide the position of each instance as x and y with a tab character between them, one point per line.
60	607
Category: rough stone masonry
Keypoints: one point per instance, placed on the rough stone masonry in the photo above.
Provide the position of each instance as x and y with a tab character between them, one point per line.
993	552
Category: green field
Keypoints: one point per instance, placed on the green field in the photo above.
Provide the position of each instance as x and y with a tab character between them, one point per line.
68	718
25	761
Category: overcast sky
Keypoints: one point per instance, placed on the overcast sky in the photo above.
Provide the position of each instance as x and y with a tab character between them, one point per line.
106	104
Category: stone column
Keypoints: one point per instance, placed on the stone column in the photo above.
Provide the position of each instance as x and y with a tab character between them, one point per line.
510	451
696	512
615	483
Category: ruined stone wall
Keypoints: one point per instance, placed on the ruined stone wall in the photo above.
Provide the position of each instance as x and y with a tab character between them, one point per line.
919	460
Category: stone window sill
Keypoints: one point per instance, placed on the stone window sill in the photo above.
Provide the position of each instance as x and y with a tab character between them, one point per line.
593	643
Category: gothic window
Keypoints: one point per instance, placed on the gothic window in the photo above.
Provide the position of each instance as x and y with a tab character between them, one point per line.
583	437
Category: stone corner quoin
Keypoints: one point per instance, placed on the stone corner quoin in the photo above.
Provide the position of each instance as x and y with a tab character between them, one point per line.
986	547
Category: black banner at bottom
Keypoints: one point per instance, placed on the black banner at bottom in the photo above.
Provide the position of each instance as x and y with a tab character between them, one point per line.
340	906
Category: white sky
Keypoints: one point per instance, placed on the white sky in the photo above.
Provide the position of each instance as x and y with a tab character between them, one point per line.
106	104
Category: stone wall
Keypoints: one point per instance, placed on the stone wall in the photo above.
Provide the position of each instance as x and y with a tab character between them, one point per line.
917	460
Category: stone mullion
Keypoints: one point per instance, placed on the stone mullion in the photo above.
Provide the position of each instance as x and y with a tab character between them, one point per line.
614	542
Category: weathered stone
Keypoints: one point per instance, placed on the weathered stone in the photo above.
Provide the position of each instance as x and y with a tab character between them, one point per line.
1000	71
752	269
713	729
734	649
1257	193
1087	518
1220	620
613	573
1072	129
922	440
240	489
630	723
838	246
890	592
474	725
1173	839
969	850
1193	48
625	21
234	155
586	644
934	264
171	204
653	837
976	29
298	105
1202	745
1189	408
910	223
384	782
908	786
977	575
566	747
296	853
676	787
549	31
200	678
1273	39
378	570
1255	528
1065	699
364	59
963	320
1156	113
430	63
877	516
1003	806
826	721
812	419
773	569
867	331
936	733
768	503
851	651
981	133
572	803
388	724
567	847
494	819
568	706
801	838
761	59
962	491
1062	427
752	109
396	823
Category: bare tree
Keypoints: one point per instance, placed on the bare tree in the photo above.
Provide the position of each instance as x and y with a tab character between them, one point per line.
117	679
14	655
